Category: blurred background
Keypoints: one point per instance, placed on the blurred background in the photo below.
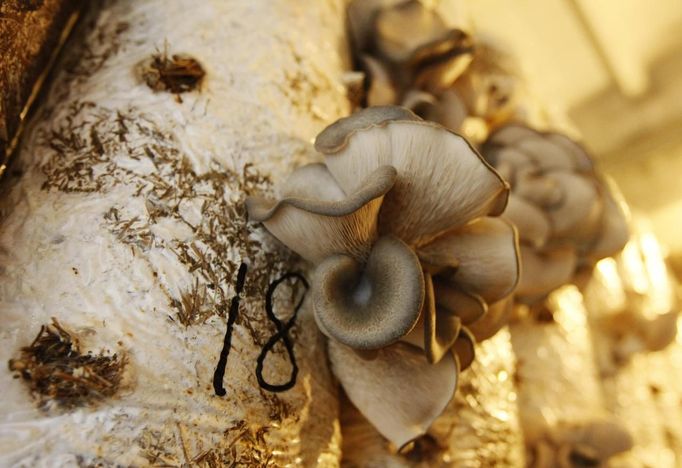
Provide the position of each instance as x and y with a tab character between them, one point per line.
614	67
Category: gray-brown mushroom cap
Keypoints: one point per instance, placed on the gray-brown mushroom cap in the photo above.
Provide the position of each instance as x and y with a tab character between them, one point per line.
370	306
443	183
335	137
409	33
378	184
317	219
399	392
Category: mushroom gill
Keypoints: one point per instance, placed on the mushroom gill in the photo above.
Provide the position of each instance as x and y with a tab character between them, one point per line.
373	305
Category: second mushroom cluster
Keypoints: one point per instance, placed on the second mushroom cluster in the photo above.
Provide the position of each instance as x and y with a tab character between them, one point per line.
412	262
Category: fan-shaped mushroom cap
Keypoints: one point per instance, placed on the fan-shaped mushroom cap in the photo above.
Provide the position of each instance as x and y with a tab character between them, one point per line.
660	331
604	436
485	253
544	272
532	224
361	17
579	215
442	184
614	233
510	134
335	137
447	108
399	392
542	191
440	64
316	219
468	307
372	306
405	28
498	316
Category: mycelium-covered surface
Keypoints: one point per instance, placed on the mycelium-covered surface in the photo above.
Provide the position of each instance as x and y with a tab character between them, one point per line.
481	425
122	217
633	314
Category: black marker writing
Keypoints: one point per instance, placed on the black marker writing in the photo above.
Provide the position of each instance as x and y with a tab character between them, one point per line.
219	373
282	334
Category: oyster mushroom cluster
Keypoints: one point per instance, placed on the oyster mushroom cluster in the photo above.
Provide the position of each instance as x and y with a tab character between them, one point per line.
409	55
405	47
484	96
411	259
565	214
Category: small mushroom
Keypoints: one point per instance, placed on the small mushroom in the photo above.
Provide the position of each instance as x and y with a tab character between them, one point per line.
447	108
579	215
411	40
614	232
361	17
373	306
399	392
600	438
660	331
407	30
489	88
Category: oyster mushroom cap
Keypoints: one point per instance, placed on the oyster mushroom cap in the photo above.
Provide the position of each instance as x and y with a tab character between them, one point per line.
532	224
373	305
604	436
440	64
510	134
659	332
485	254
544	272
494	320
316	218
465	349
447	108
403	29
579	216
578	456
442	184
335	137
399	392
361	16
614	233
450	299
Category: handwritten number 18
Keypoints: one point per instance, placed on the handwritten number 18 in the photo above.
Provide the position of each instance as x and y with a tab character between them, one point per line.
282	334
